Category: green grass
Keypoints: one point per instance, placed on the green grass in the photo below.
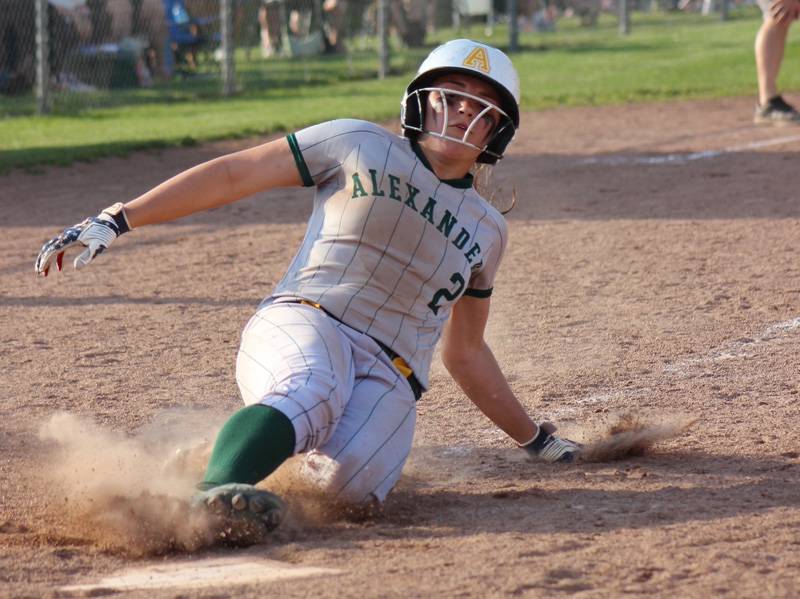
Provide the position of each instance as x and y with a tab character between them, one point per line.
667	56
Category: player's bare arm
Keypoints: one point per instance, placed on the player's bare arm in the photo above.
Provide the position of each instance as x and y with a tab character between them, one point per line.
471	363
215	183
208	185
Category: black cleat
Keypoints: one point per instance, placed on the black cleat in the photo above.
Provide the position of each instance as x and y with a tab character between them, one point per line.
776	112
241	514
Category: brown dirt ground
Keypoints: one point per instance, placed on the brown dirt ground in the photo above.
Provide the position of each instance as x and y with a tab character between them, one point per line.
665	289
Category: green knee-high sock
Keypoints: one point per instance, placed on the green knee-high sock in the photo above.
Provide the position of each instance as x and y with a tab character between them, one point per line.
250	446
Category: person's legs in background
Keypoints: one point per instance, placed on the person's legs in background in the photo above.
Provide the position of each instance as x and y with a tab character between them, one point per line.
769	51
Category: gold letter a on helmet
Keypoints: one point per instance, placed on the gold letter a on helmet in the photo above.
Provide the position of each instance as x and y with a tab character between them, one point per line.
478	59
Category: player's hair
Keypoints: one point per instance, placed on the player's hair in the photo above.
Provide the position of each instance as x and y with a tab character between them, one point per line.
482	182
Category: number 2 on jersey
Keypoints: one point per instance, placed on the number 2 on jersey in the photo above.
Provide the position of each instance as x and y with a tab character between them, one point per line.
445	293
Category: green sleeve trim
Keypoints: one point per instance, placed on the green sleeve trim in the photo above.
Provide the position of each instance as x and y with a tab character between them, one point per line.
482	293
302	167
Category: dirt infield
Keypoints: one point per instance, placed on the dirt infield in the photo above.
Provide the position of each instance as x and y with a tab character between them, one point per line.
652	270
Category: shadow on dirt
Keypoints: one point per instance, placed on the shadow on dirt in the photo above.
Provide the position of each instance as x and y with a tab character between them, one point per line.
53	301
640	185
462	492
654	491
628	185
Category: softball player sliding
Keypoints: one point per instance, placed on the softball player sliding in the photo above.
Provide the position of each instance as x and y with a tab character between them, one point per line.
400	250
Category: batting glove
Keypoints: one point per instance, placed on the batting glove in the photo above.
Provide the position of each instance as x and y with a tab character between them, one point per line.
548	447
95	234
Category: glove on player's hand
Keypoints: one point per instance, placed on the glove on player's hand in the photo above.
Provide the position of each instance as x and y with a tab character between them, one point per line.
549	447
95	234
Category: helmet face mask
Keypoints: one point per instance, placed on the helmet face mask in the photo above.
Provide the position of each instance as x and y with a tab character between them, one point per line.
483	62
444	102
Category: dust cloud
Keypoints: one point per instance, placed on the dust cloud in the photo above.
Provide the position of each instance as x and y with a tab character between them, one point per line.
129	493
630	434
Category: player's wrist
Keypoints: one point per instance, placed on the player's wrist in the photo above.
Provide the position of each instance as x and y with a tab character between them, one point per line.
116	214
526	444
548	447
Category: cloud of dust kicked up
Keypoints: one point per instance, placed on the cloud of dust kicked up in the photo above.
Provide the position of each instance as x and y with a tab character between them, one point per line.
130	494
121	492
629	434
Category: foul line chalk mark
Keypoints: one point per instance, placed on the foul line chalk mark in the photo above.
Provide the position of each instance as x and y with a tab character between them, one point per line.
741	348
201	574
734	350
691	156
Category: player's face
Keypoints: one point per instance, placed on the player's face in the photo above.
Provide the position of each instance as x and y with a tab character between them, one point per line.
461	117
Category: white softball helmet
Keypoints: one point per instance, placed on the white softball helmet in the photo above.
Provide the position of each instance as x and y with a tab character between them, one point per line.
476	59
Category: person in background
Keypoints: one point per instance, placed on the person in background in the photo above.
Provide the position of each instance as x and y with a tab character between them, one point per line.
334	14
770	46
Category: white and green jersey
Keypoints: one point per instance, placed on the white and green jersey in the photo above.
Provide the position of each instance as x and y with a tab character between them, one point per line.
389	247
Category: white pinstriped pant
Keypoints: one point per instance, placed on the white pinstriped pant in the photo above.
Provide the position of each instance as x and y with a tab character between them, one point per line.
353	412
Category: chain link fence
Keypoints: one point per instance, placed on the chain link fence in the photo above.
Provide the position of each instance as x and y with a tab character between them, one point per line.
70	54
66	55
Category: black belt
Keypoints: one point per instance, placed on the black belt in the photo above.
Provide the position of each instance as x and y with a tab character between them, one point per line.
396	359
403	367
